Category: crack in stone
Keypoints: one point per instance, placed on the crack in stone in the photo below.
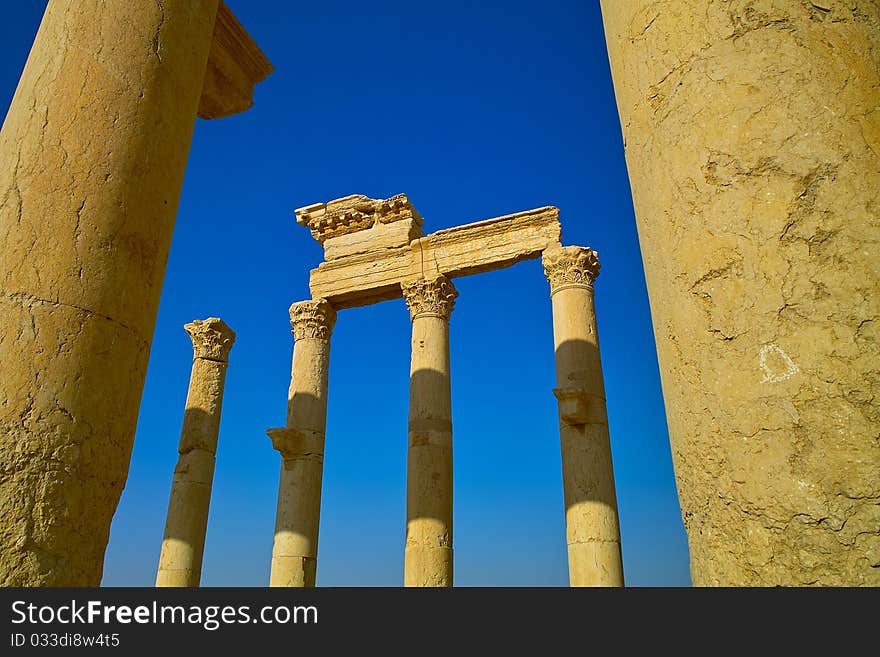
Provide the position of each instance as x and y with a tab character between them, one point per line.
156	38
29	300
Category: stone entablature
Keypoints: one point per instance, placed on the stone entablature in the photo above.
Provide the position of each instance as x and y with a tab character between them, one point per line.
351	214
368	264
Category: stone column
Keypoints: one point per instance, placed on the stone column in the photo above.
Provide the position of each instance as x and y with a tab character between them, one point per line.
180	563
301	443
752	136
428	556
587	475
92	157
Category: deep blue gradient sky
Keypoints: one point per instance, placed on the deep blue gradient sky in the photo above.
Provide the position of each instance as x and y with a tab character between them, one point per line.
473	109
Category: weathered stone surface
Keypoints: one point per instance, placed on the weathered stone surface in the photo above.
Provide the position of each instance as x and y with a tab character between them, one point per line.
373	270
235	65
591	519
428	552
354	213
180	561
92	156
752	133
301	445
379	236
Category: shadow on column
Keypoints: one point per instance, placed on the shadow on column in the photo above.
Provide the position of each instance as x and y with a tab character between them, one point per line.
429	486
189	499
579	362
592	525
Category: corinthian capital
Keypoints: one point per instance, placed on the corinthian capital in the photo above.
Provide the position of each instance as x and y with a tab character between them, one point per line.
570	266
431	297
212	338
312	319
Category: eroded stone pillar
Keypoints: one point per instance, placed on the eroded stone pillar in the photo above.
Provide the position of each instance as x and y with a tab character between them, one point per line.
752	135
301	444
591	520
92	157
428	556
180	562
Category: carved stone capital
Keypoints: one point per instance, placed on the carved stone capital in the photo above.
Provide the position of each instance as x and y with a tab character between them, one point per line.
312	319
212	338
570	266
430	297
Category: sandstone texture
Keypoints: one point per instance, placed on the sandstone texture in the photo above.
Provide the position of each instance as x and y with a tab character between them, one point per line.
428	552
235	65
752	133
591	518
301	445
92	157
180	561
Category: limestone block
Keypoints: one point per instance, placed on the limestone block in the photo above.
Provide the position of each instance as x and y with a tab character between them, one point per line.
577	406
235	65
365	272
355	213
378	237
752	135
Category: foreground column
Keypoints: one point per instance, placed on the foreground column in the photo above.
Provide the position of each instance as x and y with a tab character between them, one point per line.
301	443
753	147
180	563
587	476
92	156
428	556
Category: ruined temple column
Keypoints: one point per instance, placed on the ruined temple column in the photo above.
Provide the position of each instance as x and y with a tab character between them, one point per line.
92	157
301	444
428	556
180	563
587	475
752	138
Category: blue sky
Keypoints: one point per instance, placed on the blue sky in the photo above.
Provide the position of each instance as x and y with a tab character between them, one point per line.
472	109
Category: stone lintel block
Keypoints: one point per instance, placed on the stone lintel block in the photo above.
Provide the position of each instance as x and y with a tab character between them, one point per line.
364	278
376	238
293	443
357	213
235	65
577	406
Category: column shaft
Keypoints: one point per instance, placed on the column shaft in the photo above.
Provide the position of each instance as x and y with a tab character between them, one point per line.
591	520
428	553
301	443
752	140
180	562
92	157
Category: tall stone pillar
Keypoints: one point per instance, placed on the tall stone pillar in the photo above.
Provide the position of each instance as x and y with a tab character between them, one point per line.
428	556
92	157
301	444
180	562
752	136
587	475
